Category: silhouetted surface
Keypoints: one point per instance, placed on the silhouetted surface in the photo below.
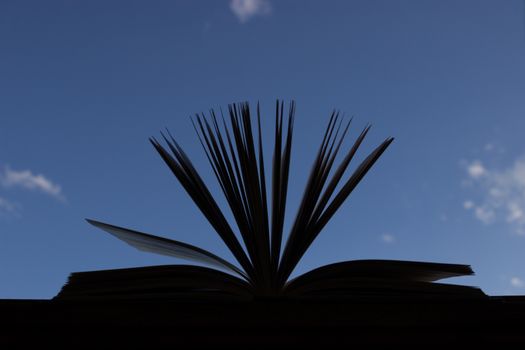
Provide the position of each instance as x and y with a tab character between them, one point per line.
255	302
336	322
380	278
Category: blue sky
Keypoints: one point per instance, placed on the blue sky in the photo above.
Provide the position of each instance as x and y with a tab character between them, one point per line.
85	83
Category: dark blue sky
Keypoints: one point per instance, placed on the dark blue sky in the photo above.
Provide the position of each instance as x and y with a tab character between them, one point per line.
84	84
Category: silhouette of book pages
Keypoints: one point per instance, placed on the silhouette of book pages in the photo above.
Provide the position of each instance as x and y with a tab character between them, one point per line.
262	268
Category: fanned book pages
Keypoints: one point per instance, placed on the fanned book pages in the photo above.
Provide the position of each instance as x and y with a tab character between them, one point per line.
263	265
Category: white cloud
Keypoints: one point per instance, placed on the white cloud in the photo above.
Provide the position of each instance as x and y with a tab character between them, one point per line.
485	215
502	194
517	282
515	212
26	179
468	204
7	206
246	9
388	238
476	169
493	148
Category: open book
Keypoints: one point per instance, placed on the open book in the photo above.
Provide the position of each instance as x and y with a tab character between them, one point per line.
262	267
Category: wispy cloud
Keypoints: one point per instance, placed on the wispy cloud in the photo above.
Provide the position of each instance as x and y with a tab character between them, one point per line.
494	148
485	214
517	282
30	181
7	207
387	238
502	194
246	9
476	169
468	204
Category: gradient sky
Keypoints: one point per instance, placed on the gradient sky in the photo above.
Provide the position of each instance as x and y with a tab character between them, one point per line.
83	84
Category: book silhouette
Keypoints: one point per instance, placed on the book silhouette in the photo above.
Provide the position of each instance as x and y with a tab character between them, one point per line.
263	266
253	299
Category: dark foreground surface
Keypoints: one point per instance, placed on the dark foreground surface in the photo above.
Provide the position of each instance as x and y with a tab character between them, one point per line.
410	321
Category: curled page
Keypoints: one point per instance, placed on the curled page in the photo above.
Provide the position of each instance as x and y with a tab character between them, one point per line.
164	246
